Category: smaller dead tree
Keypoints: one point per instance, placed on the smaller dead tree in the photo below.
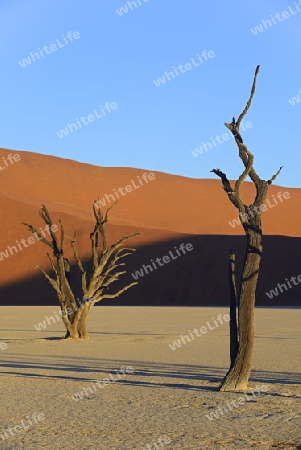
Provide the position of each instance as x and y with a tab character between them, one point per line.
106	262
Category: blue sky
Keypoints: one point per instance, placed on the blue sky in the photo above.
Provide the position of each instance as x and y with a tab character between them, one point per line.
118	57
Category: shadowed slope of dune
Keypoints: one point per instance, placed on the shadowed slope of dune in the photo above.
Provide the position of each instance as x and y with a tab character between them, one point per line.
198	278
166	210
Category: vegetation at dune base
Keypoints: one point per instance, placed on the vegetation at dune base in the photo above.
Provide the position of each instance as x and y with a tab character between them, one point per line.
243	296
104	270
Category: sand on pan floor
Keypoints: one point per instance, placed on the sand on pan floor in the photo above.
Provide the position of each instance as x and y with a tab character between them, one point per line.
171	394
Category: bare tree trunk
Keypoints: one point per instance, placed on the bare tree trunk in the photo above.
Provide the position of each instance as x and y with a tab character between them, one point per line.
82	323
233	313
238	376
77	322
73	333
241	351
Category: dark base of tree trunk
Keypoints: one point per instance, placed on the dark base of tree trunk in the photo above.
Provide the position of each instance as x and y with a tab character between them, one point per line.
78	337
232	385
78	331
238	375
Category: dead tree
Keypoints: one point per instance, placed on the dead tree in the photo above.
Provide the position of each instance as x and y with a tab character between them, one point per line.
105	270
242	333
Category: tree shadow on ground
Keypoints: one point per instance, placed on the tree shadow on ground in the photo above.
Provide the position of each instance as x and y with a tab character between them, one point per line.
146	374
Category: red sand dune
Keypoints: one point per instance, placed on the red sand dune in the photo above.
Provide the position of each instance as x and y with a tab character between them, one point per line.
166	211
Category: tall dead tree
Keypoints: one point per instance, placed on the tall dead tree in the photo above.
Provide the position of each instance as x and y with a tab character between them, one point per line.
105	270
242	333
